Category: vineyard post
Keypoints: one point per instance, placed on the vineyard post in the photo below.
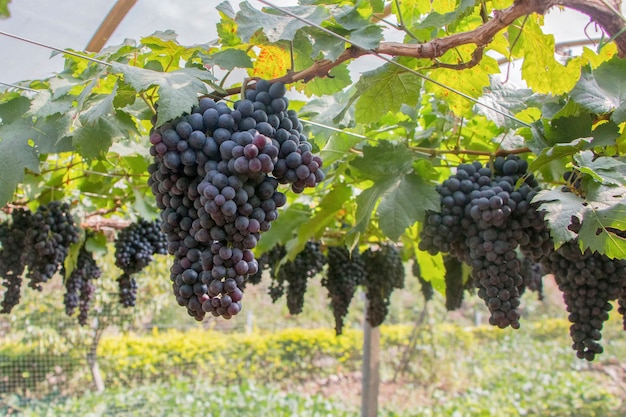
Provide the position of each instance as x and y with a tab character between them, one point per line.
371	369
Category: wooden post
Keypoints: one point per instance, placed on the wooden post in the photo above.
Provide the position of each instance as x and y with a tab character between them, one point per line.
371	370
109	24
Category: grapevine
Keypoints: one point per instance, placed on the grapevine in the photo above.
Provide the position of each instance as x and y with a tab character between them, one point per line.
79	286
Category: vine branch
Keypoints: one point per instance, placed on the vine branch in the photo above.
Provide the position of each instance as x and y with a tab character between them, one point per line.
612	23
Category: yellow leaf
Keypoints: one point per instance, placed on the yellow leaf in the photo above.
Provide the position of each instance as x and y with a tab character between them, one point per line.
271	62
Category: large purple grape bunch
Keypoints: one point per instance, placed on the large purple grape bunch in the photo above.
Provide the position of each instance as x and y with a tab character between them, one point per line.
12	235
483	219
79	285
215	177
53	230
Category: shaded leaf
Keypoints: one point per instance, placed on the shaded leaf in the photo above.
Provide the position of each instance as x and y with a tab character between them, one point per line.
229	59
178	90
15	155
405	204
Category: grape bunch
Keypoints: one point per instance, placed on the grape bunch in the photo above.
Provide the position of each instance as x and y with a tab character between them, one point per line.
53	230
426	287
384	272
532	272
215	178
135	247
482	221
296	274
268	261
79	286
589	281
621	309
346	271
12	265
136	244
453	278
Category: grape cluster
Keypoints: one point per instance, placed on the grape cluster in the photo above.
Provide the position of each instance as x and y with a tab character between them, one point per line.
589	281
215	177
12	265
384	271
483	220
453	279
532	273
267	261
135	247
621	309
52	232
426	287
345	272
296	274
79	286
136	244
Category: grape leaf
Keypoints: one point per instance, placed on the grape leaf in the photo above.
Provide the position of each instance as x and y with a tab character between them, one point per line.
271	62
97	243
326	45
43	105
284	227
560	207
604	224
557	152
228	59
604	170
276	27
540	69
326	212
16	154
501	97
605	134
14	109
367	37
385	89
405	203
366	201
384	160
178	90
437	20
603	90
4	8
227	27
101	107
432	269
337	147
94	140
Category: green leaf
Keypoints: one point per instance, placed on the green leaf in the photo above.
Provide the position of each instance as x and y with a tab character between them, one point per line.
383	90
605	134
43	105
71	260
560	207
101	107
227	27
46	134
4	8
125	96
325	45
604	90
502	97
14	109
338	79
229	59
284	227
16	154
432	269
556	152
437	20
566	129
144	208
276	27
327	209
94	141
97	243
604	170
178	90
384	160
366	201
604	223
338	146
367	37
405	203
